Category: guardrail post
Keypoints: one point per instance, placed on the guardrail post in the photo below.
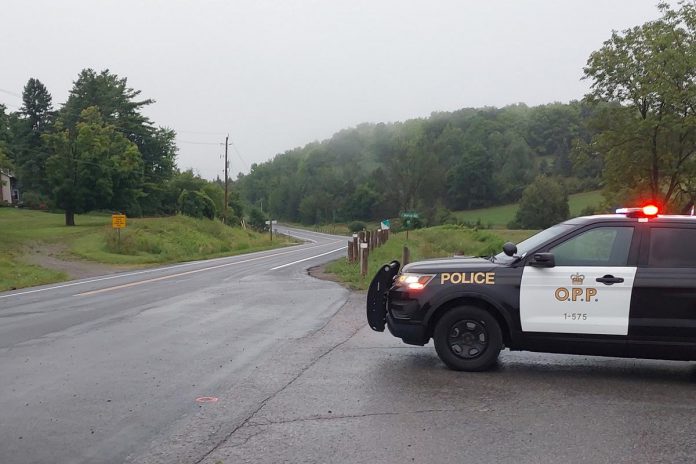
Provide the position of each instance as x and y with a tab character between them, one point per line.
350	251
406	256
364	255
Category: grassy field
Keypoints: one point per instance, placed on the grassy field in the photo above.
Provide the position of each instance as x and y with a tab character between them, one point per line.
143	242
499	216
432	242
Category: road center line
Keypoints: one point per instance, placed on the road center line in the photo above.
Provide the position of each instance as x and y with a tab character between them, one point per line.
148	271
307	259
194	271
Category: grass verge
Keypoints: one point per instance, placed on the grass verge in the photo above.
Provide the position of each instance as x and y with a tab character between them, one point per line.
144	242
433	242
501	216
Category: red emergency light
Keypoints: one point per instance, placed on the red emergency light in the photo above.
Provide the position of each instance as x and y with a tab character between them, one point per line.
647	211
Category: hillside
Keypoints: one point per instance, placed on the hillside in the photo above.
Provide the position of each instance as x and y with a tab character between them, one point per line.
499	216
465	159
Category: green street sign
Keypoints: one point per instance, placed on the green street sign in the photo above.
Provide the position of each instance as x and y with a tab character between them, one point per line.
409	215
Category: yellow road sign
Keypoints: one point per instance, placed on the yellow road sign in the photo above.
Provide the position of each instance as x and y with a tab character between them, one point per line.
118	221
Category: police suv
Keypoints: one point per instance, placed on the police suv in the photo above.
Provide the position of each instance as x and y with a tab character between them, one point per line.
611	285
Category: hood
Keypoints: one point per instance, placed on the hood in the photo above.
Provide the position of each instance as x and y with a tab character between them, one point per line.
467	263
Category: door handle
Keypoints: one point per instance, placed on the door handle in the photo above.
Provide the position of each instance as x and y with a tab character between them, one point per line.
609	279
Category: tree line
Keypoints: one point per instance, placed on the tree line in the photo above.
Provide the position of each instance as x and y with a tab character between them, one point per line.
470	158
99	152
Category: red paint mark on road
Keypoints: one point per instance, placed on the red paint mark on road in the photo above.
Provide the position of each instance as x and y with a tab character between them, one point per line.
206	399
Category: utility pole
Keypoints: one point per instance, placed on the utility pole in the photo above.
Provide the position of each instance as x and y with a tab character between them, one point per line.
226	168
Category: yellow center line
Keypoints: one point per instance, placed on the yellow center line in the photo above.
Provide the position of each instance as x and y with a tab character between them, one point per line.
140	282
157	279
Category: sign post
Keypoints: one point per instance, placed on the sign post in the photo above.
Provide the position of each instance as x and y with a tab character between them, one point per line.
407	216
118	222
270	227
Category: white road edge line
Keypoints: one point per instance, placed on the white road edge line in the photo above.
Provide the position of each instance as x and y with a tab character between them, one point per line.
148	271
307	259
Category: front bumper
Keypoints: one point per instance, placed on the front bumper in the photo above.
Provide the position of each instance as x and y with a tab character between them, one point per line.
411	332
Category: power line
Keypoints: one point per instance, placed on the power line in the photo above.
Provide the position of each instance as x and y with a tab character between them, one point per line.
10	93
199	143
198	132
241	158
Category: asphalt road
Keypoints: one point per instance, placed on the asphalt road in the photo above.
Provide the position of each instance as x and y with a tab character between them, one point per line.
357	396
297	376
92	370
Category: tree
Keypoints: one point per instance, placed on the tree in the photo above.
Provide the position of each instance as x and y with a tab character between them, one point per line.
470	182
648	142
92	167
34	119
5	139
37	106
543	204
121	107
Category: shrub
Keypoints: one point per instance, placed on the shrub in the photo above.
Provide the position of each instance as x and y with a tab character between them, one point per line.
196	204
544	203
356	226
256	219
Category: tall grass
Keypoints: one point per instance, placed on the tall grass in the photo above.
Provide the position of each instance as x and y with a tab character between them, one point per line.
144	241
433	242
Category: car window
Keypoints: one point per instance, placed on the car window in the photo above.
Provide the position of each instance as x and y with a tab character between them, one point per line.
535	240
671	247
602	246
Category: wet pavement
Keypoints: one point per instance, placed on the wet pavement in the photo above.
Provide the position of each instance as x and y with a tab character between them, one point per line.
345	394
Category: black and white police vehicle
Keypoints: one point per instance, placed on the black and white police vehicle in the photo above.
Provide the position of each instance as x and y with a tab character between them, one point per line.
610	285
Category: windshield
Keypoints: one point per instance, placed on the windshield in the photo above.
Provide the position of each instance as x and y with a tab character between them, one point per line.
534	241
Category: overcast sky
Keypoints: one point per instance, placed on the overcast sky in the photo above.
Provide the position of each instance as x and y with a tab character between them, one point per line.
280	74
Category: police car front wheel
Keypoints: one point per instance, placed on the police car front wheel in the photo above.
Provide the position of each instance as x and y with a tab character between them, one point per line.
468	338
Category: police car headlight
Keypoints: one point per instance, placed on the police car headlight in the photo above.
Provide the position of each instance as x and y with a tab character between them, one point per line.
413	281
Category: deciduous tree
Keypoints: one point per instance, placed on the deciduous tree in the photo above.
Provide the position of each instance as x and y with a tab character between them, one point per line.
648	138
92	166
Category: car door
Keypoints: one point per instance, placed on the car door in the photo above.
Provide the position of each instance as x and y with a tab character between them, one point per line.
588	288
664	295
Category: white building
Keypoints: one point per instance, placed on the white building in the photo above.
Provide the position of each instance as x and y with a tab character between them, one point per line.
8	188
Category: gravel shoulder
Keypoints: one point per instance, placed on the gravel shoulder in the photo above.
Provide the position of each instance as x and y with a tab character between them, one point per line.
57	257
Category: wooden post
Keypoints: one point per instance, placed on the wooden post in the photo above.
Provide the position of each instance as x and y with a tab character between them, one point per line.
356	256
350	251
406	256
364	255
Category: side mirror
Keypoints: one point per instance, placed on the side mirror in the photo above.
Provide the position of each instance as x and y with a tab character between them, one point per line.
510	249
542	260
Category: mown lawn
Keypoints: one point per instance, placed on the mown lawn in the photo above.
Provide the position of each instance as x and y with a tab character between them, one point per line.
433	242
500	216
144	242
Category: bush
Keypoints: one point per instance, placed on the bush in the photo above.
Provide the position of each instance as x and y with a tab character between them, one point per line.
35	200
356	226
544	203
256	219
196	204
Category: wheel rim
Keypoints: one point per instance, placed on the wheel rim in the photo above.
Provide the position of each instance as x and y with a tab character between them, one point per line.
467	339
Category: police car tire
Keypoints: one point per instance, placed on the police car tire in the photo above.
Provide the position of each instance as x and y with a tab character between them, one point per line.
449	320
